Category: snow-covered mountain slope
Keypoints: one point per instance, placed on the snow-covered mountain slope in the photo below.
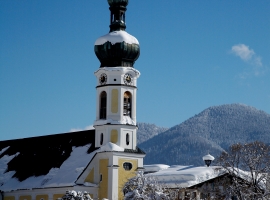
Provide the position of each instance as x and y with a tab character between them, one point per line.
213	130
147	131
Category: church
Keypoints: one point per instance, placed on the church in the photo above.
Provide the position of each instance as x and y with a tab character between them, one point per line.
98	161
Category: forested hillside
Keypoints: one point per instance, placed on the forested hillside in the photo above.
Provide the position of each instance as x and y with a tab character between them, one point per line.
147	131
213	130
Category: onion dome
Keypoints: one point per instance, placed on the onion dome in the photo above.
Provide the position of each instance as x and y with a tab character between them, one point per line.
208	159
117	48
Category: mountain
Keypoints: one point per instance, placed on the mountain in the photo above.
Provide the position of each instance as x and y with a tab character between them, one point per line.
213	130
147	131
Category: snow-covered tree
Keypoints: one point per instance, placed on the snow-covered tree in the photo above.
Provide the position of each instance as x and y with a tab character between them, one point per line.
248	167
144	187
73	195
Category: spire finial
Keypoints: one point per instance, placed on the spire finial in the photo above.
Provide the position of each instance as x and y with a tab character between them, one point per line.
118	16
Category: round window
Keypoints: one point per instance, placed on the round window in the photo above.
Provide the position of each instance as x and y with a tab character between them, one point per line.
127	166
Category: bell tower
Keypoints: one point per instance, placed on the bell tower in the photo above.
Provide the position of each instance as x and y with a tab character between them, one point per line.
116	89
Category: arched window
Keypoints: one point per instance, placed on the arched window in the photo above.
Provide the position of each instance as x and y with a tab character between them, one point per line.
127	139
101	138
127	104
103	105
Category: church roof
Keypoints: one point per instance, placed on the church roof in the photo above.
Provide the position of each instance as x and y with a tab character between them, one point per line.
40	161
45	161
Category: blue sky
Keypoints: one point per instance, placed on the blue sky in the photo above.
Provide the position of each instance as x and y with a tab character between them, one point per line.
194	54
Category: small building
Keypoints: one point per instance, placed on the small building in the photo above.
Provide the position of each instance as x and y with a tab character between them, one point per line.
188	181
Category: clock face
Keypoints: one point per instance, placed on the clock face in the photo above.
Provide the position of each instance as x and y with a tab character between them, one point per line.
103	79
128	79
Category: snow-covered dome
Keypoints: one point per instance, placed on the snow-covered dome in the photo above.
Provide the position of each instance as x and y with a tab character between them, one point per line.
117	48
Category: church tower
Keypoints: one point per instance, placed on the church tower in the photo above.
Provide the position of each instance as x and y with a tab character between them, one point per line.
116	91
116	87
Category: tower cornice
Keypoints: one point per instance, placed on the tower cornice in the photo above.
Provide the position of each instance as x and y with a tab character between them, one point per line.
117	70
122	85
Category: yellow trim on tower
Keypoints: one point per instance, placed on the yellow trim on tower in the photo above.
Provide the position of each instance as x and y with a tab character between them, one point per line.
114	102
114	136
124	175
103	185
90	177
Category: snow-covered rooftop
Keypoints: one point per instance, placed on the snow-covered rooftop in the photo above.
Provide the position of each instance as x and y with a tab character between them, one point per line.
185	176
110	147
56	177
155	167
117	37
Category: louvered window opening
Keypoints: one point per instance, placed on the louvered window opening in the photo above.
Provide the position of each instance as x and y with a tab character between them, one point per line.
127	104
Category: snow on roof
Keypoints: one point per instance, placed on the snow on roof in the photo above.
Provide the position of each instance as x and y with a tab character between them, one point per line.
41	154
178	176
208	157
56	177
3	166
185	176
117	37
73	165
3	150
155	167
110	147
44	161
